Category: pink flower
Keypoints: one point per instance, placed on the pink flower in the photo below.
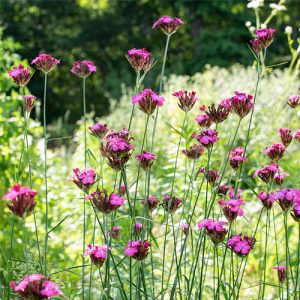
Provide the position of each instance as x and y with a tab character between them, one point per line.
224	189
115	232
137	249
185	228
194	152
211	175
236	157
21	200
104	203
50	289
146	159
151	202
296	135
267	173
204	120
265	36
286	198
147	101
45	63
296	210
232	209
99	130
84	179
279	177
83	68
171	204
140	59
186	99
214	229
138	227
206	137
20	75
241	104
256	45
241	245
98	254
275	152
168	25
29	102
121	189
266	200
285	136
281	270
218	114
293	101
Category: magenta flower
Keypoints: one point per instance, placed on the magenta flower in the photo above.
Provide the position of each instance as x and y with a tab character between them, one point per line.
218	114
266	200
293	101
241	245
115	232
296	135
281	270
45	63
151	202
97	254
224	189
29	103
232	209
168	25
147	101
171	204
35	286
285	136
99	130
104	203
146	159
194	152
138	227
122	189
267	173
214	229
286	198
265	36
137	249
241	104
84	179
206	137
185	228
20	200
279	177
83	68
117	148
20	75
140	59
236	157
275	152
211	175
186	99
256	45
296	210
204	120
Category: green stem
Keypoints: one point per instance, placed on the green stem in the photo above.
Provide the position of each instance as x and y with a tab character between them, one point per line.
287	256
297	263
25	246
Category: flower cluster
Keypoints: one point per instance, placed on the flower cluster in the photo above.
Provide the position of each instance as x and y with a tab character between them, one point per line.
214	229
83	68
194	152
140	59
211	175
266	199
293	101
275	152
218	114
267	173
151	202
285	136
137	249
204	120
236	157
186	99
20	75
241	245
84	179
241	104
99	130
286	198
206	137
97	254
171	204
232	209
296	210
168	24
264	37
45	63
146	159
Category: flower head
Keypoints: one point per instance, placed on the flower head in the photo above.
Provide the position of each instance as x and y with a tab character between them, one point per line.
194	152
29	103
285	136
232	209
84	179
168	24
218	114
137	249
204	120
281	271
265	36
236	157
151	202
45	62
171	204
115	232
256	45
99	130
186	99
296	135
293	101
266	200
214	229
279	177
296	210
98	254
147	101
275	152
241	104
286	198
146	159
267	173
211	175
241	245
138	227
185	228
206	137
224	189
20	75
140	59
20	200
83	68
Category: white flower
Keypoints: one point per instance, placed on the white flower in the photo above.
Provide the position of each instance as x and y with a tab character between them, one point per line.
255	3
288	30
248	24
263	26
252	29
277	7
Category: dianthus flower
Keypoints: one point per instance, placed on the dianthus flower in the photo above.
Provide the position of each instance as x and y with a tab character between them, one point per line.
266	200
194	152
146	159
84	179
115	232
83	68
281	271
186	99
206	137
296	210
20	200
140	59
45	63
99	130
97	254
265	36
151	202
185	228
147	101
218	114
236	157
296	135
293	101
137	249
138	227
286	198
214	229
232	209
168	24
241	245
275	152
211	175
20	75
267	173
279	177
29	103
256	45
204	120
223	189
241	104
171	204
285	136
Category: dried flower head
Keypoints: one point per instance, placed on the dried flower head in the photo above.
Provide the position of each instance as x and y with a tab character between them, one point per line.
45	63
186	99
83	68
256	45
218	114
285	136
211	175
168	24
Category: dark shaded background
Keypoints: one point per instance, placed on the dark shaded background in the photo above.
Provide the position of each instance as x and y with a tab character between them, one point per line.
103	30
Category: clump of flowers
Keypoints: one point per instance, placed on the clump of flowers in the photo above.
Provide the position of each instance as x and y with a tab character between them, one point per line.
138	228
204	120
105	203
147	101
256	45
171	204
286	198
206	137
232	209
241	245
241	104
218	114
236	157
279	177
185	228
265	36
45	63
194	152
281	271
285	136
140	59
168	24
146	159
186	99
20	200
97	254
20	75
224	189
211	175
266	200
84	179
296	135
214	229
275	152
83	68
115	232
137	249
151	202
99	130
296	210
293	101
117	148
29	101
36	286
267	173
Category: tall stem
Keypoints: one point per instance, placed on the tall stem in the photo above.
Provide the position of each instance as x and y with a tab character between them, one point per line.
25	246
287	256
265	254
297	264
